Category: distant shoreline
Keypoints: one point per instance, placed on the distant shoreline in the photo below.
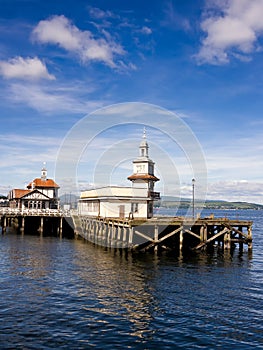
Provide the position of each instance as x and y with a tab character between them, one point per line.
223	205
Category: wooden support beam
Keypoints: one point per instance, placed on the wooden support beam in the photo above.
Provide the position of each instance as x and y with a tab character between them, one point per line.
170	234
160	240
203	244
192	233
222	232
237	231
144	236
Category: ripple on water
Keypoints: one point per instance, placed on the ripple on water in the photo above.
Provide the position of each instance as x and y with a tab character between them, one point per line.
70	294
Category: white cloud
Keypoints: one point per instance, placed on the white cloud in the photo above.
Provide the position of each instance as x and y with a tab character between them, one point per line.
52	100
60	31
236	190
24	68
173	19
97	13
146	30
22	156
232	31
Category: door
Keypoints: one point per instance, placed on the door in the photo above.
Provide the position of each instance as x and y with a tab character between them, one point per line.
122	211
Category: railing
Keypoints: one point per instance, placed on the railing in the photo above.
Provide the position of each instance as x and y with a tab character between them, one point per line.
34	212
154	195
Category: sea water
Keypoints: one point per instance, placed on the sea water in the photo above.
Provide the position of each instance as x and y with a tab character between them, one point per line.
69	294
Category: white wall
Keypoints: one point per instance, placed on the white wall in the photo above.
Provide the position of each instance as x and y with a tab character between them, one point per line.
106	202
115	191
112	208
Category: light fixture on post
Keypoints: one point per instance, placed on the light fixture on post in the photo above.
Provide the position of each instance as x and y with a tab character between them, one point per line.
193	193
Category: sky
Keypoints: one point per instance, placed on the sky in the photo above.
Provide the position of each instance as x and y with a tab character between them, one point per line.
80	80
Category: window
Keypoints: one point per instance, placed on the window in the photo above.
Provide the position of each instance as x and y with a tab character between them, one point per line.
134	207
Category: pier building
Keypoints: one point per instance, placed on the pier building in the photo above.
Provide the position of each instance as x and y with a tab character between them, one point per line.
135	201
41	193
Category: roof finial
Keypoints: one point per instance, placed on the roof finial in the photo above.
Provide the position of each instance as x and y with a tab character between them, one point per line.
144	133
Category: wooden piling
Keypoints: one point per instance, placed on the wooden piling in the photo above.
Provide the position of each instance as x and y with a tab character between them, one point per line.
4	224
181	238
22	228
41	229
60	227
156	235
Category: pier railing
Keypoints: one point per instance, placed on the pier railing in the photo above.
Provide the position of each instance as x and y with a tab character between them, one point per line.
34	212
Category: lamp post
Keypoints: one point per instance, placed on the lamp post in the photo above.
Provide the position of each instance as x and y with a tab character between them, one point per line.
193	193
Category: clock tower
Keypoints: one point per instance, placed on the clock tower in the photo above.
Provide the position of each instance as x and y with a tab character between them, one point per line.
143	170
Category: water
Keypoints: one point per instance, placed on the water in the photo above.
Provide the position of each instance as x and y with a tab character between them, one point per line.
68	294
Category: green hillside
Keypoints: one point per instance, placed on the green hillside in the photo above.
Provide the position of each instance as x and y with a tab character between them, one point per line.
172	202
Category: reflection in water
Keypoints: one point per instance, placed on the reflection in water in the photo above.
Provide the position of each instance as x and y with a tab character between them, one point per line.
69	294
34	264
118	285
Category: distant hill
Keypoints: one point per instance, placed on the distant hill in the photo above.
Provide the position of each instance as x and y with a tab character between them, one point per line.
69	199
171	202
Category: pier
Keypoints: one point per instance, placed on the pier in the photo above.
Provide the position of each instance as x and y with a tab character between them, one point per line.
51	222
157	233
165	233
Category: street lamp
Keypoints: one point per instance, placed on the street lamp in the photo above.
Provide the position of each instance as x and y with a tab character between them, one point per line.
193	193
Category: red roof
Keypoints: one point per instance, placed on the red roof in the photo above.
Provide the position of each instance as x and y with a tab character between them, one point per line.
143	177
39	183
17	193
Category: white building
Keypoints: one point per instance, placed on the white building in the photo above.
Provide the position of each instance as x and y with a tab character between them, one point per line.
125	202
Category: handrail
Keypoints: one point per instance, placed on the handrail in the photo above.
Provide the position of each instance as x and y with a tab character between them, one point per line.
34	212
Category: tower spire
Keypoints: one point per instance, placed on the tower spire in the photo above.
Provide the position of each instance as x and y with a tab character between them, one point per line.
144	145
44	172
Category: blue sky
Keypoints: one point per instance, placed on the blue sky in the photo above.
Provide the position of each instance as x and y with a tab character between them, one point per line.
61	61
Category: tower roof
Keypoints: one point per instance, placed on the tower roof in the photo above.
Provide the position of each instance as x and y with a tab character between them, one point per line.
40	183
143	177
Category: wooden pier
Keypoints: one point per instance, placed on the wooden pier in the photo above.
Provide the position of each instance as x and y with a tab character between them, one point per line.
52	222
158	233
165	233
